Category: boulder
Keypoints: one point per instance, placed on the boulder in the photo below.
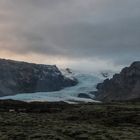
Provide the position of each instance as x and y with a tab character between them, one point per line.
84	95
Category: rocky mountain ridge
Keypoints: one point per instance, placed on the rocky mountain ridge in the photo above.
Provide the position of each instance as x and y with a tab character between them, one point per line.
21	77
123	86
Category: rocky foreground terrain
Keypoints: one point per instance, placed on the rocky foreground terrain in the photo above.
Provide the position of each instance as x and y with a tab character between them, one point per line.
20	77
122	87
61	121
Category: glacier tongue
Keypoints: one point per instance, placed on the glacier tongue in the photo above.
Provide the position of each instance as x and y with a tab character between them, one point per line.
87	83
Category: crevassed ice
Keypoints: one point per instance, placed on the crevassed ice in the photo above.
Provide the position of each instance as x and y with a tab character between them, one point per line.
87	83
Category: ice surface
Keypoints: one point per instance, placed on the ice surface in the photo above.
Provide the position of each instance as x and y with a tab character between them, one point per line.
87	83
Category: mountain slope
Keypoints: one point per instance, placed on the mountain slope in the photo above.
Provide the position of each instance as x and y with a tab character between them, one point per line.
20	77
123	86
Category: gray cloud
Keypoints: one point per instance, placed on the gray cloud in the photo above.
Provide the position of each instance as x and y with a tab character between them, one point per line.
73	29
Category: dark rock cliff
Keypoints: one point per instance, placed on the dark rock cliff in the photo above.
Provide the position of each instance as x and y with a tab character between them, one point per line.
21	77
123	86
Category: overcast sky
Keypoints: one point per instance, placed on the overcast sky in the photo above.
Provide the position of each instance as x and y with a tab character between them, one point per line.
90	35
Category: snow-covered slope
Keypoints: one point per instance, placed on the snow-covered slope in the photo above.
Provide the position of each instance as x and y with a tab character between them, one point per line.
87	84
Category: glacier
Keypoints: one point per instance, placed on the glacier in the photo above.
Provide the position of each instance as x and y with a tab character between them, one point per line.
86	84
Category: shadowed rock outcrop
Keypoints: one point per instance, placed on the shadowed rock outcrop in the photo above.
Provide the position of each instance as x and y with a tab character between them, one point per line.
21	77
123	86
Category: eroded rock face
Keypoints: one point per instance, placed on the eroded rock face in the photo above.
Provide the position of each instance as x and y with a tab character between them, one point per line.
123	86
20	77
